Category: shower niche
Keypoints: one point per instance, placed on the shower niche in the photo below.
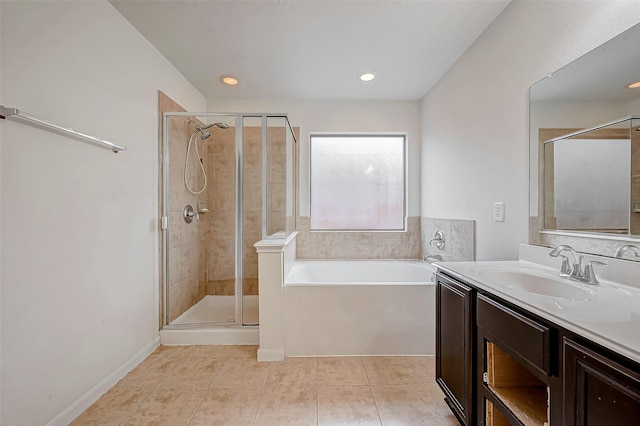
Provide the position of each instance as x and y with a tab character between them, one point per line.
237	174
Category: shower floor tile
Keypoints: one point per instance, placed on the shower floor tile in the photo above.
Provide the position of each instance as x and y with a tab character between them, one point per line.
225	385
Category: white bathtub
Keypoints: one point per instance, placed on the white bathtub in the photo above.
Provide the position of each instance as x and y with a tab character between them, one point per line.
359	307
357	272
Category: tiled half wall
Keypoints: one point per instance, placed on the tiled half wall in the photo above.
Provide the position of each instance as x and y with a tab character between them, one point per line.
358	245
599	244
459	236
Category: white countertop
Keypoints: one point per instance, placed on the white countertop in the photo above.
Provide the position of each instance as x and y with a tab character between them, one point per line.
609	316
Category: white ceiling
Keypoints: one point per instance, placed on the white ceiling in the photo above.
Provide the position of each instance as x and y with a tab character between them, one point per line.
300	49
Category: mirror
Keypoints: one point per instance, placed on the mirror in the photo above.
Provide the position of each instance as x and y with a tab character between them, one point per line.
584	149
588	179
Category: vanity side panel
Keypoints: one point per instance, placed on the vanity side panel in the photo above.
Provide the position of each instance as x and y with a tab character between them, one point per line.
455	346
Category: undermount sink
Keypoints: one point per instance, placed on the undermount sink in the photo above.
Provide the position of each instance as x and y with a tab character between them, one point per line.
538	282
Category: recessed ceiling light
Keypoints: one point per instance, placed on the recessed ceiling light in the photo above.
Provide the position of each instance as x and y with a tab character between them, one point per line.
230	80
367	77
634	85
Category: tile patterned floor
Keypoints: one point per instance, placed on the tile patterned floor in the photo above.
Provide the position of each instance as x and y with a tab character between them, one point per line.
225	385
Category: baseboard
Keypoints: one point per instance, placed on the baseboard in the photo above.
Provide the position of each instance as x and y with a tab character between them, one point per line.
211	336
86	400
270	355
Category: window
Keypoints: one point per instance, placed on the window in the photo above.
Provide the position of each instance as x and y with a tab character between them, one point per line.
357	182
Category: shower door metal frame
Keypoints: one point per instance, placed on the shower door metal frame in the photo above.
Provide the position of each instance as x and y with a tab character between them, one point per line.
239	119
239	252
238	261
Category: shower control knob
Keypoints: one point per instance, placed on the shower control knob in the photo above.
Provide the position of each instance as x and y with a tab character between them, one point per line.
188	213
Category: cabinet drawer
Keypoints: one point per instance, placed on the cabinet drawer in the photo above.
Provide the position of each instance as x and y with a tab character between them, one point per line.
511	330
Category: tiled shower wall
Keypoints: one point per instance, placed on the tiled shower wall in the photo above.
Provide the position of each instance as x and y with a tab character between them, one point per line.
187	271
358	245
219	222
220	200
459	238
202	254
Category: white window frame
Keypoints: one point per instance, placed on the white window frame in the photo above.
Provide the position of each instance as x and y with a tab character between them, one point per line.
405	180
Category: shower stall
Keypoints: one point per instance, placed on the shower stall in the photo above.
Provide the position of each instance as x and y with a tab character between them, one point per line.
228	181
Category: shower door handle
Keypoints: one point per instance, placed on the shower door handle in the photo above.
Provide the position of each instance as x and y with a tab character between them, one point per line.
188	213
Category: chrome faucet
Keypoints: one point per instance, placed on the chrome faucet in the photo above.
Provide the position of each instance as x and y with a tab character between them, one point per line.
567	269
574	270
432	258
625	248
438	239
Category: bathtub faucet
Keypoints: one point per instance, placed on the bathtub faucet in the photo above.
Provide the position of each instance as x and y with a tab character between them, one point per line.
438	239
432	258
625	248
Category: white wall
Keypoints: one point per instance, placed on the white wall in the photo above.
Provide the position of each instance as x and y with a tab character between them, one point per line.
79	223
474	121
342	116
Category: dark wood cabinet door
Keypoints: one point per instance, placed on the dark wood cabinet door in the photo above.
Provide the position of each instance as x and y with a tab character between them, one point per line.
454	346
597	390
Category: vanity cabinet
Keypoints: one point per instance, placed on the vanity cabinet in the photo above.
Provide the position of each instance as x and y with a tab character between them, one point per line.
499	364
517	356
598	390
455	341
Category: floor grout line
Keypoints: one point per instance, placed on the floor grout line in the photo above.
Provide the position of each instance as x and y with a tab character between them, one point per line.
184	360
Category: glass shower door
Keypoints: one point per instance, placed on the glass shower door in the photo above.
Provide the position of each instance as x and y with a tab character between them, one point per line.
228	182
199	193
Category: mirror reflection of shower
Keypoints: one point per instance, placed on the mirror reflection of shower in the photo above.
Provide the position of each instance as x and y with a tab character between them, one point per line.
204	134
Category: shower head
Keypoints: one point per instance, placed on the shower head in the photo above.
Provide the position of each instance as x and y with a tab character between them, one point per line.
220	125
205	133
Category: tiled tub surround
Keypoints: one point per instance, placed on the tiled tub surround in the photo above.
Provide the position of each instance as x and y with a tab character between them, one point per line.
358	245
460	242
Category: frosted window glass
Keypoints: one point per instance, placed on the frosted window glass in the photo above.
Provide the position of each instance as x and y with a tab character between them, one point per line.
357	182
